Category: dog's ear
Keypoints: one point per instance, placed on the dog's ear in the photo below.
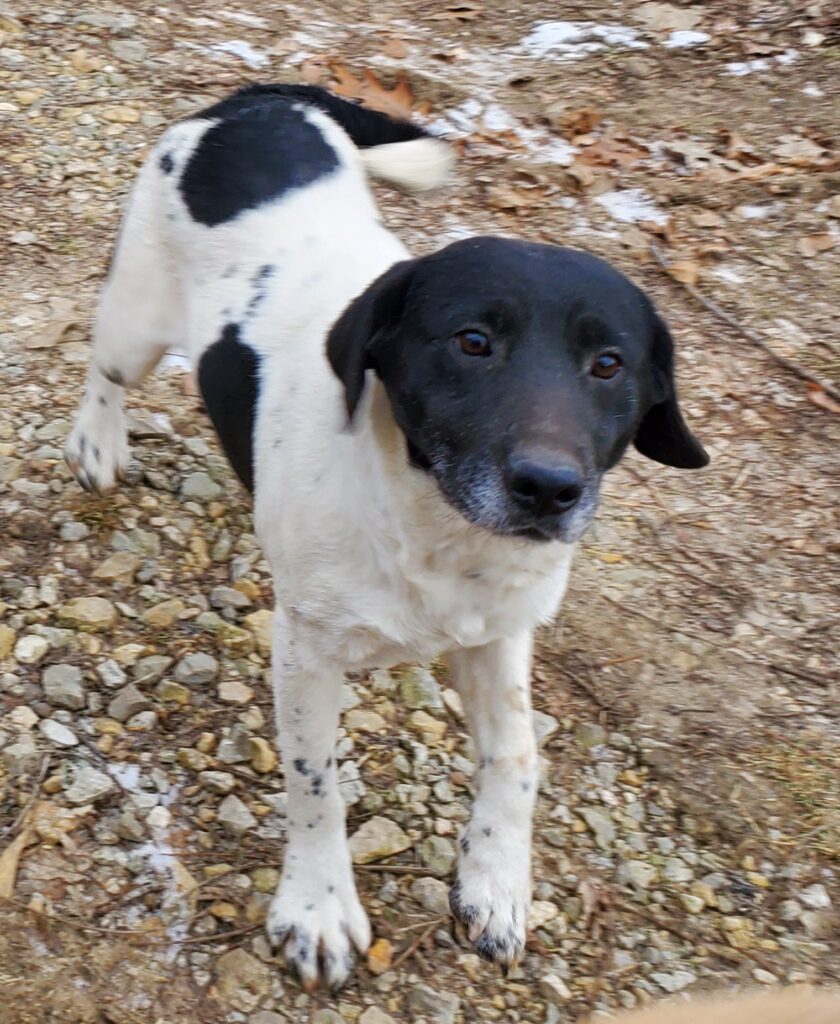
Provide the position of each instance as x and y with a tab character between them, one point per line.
663	434
351	339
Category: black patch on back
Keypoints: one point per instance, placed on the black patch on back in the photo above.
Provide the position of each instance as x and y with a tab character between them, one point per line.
166	163
261	149
228	376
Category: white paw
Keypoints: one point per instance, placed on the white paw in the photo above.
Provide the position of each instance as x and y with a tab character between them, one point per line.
316	920
97	448
491	898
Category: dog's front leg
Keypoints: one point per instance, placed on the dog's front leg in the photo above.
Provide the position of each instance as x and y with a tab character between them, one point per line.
493	888
315	917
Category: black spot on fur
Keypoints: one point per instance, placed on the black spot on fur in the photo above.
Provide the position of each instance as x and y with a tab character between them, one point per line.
330	889
114	376
230	270
228	376
317	783
525	785
487	832
260	149
464	843
97	454
328	762
166	163
301	766
103	400
82	444
258	284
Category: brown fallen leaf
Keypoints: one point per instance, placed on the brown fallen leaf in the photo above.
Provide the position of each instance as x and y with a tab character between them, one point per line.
706	219
504	197
685	271
582	121
812	245
397	102
9	860
612	153
395	48
816	396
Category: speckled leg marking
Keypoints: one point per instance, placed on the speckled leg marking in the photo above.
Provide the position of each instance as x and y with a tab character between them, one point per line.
315	918
493	888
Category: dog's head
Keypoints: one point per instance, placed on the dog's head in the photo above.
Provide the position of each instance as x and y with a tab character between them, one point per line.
519	374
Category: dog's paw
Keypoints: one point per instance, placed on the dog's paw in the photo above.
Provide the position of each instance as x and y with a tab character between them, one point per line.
317	923
97	448
492	905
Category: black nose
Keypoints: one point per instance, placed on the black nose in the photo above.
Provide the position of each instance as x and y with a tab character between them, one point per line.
544	488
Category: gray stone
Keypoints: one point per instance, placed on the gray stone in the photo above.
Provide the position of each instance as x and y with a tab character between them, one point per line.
234	816
242	980
350	783
73	531
88	785
816	897
601	824
128	827
436	1007
432	894
30	649
675	981
637	873
129	49
197	669
554	990
376	839
57	733
419	689
327	1016
21	757
63	686
590	734
545	726
372	1015
677	870
437	855
111	674
200	487
229	597
151	669
235	748
217	782
129	701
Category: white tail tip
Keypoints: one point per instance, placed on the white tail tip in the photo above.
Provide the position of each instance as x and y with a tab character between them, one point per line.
417	165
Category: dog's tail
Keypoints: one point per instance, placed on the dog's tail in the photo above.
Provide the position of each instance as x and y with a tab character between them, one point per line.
396	151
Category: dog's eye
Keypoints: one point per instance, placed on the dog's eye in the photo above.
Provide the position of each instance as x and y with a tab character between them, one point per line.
606	366
473	343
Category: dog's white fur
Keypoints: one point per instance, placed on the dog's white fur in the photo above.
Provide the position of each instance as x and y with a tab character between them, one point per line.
371	566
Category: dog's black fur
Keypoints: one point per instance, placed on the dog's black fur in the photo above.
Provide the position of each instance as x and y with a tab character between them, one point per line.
548	313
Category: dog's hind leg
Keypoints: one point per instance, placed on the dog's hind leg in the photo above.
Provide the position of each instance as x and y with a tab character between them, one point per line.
139	317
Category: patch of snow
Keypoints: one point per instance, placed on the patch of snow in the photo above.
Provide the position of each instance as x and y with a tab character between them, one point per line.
686	37
726	274
243	50
747	67
631	205
244	18
754	212
813	90
176	361
127	776
571	40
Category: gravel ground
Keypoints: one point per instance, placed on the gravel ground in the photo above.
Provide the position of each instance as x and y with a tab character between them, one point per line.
688	830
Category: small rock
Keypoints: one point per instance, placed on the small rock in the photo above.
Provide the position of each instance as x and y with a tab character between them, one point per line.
111	673
816	897
229	597
436	1007
92	614
21	757
200	487
169	690
382	682
7	641
360	720
73	532
242	980
165	614
350	784
118	568
128	701
377	838
63	686
818	924
637	873
590	734
30	649
263	758
193	760
327	1016
265	879
129	50
601	824
88	785
235	748
270	1017
437	855
541	913
675	981
453	703
693	904
216	782
234	816
128	827
372	1015
259	624
764	977
233	691
545	726
432	894
419	689
430	729
677	870
197	669
554	989
380	956
57	733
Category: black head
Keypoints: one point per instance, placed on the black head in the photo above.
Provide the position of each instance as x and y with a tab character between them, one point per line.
519	374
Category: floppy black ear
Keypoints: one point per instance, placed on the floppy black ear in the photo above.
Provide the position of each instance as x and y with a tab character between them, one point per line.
350	341
663	434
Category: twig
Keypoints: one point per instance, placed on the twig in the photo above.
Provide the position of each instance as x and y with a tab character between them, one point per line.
397	869
418	942
751	336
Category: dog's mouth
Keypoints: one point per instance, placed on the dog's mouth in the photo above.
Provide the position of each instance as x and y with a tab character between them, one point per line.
475	489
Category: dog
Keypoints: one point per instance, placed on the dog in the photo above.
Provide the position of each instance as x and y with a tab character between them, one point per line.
424	438
788	1006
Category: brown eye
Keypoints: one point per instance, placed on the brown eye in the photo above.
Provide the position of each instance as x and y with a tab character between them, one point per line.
606	366
473	343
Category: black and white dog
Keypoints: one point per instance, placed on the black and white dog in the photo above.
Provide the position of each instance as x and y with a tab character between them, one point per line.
427	508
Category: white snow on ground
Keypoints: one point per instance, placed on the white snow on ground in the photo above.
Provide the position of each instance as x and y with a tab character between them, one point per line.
243	50
686	37
572	40
631	205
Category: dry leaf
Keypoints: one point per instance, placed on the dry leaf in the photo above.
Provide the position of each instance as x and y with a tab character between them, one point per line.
798	151
397	102
9	860
582	121
611	153
685	271
53	823
706	219
395	48
812	245
817	396
503	197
